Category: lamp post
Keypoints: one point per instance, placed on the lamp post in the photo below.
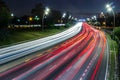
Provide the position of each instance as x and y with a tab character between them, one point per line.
46	12
69	17
110	9
11	20
63	16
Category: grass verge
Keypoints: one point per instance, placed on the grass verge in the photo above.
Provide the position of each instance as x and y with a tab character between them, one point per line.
113	50
24	36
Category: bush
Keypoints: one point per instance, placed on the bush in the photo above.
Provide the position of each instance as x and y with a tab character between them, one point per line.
4	16
117	32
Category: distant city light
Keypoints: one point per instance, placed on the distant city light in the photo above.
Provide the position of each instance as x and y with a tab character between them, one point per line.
76	19
88	19
30	18
12	14
82	20
64	14
36	16
95	17
26	22
38	19
18	20
92	17
70	16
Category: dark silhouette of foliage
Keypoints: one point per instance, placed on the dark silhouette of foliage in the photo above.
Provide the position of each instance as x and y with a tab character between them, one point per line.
4	14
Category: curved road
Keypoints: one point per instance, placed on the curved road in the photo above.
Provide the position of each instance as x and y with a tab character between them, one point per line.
83	57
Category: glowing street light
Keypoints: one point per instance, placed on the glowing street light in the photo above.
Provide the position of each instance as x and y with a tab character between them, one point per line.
70	16
92	17
88	19
110	9
95	17
18	20
107	5
46	12
12	14
47	9
64	15
75	19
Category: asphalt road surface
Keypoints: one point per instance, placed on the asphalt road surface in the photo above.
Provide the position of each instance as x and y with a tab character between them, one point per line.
82	57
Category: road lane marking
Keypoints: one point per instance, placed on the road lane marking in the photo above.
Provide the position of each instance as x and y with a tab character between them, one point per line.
39	55
52	67
27	60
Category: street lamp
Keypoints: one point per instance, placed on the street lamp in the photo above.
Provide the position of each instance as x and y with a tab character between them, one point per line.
110	9
18	20
72	18
46	12
12	14
63	16
108	5
88	19
69	17
95	17
75	19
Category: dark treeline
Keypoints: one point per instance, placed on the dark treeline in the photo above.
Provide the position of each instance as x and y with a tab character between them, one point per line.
36	17
55	16
109	19
9	20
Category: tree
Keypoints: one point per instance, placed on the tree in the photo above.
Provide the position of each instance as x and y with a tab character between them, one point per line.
117	19
4	14
38	10
54	16
117	32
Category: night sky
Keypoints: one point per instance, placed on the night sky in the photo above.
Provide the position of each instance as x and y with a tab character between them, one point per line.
78	8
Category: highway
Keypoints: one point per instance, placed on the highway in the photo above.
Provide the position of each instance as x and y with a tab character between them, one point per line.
83	56
13	52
